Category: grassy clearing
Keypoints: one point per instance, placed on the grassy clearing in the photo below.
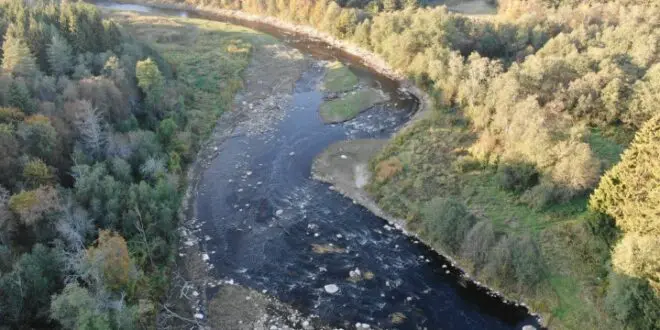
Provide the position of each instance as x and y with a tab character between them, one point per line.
208	58
608	145
339	78
431	156
349	106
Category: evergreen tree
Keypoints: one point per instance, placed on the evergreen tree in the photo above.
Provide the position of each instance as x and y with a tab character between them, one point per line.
19	96
630	193
37	38
17	58
59	56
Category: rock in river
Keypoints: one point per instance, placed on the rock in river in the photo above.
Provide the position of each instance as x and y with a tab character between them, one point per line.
331	288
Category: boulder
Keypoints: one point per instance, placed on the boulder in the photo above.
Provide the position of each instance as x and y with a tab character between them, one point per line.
331	288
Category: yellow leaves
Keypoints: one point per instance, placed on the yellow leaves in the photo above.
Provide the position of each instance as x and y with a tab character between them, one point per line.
639	256
37	173
148	75
577	168
23	201
37	119
33	205
110	258
11	115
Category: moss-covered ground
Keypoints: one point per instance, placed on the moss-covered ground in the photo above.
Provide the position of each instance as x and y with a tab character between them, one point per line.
338	78
350	105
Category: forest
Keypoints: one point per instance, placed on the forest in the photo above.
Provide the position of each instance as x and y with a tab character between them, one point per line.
537	168
94	137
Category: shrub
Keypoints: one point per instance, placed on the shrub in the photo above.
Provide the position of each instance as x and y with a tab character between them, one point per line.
466	164
478	242
526	261
499	267
602	225
447	221
638	255
632	302
387	169
540	196
577	170
517	176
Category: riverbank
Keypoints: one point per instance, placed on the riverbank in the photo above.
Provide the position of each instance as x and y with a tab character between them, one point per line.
346	166
231	57
357	194
370	150
368	59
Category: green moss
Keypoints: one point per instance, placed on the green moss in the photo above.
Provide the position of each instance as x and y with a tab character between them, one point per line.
339	78
349	106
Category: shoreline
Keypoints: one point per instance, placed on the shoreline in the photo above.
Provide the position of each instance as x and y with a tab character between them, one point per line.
357	194
345	181
368	58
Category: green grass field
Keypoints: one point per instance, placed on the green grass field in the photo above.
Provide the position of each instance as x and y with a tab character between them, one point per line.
339	78
349	106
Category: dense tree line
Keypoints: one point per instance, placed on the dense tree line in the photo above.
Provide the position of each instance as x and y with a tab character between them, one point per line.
524	82
376	6
93	138
533	85
630	193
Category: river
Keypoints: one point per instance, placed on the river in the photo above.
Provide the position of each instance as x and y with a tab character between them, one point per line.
261	212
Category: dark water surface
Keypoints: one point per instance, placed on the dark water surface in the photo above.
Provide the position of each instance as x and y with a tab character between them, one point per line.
262	212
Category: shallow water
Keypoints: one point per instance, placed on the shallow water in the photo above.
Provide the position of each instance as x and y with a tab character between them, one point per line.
261	213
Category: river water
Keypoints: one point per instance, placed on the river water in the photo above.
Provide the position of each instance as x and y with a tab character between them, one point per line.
261	212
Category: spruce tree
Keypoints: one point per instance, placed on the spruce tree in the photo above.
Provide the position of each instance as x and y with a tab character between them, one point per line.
17	58
630	193
59	56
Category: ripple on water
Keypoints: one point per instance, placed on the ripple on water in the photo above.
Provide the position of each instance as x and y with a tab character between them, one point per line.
269	245
265	251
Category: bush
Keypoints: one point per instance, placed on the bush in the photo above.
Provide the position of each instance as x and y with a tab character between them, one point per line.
638	255
517	176
447	221
499	267
478	242
632	302
387	169
603	226
466	164
526	261
540	196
